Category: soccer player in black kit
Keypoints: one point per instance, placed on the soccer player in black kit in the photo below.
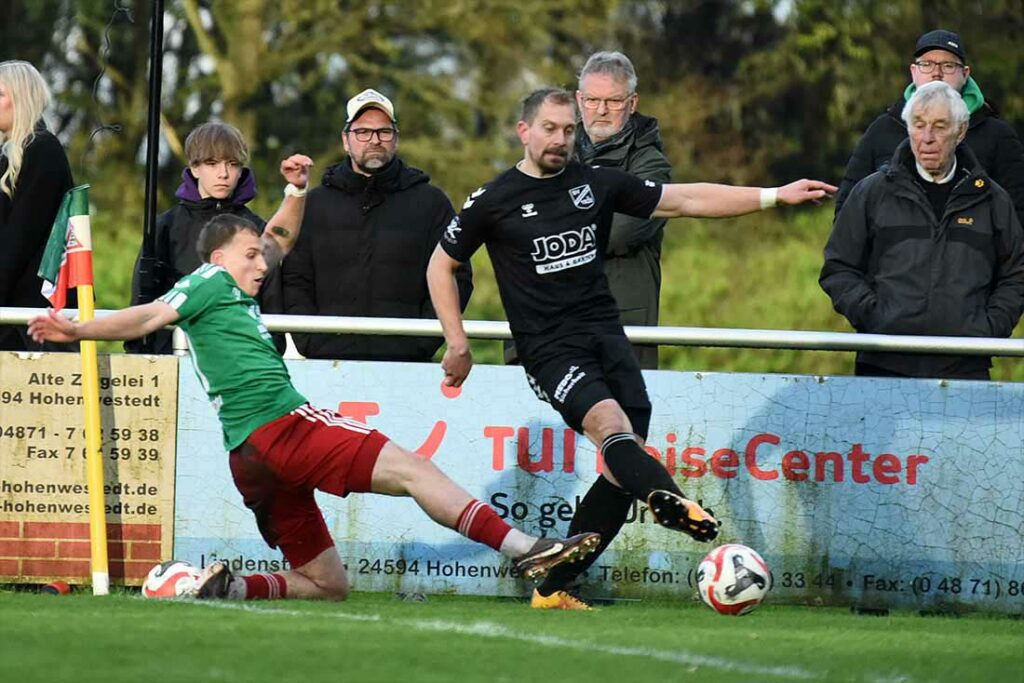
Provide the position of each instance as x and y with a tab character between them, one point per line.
546	224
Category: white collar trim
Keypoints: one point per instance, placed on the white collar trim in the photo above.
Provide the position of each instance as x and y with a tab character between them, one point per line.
927	176
519	167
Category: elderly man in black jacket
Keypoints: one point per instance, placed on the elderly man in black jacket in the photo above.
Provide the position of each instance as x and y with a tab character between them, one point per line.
941	56
367	235
928	245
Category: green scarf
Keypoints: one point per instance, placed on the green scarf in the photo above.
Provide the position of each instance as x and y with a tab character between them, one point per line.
971	94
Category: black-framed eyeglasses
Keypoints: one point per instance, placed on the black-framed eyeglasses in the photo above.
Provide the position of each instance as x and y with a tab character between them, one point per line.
926	66
366	134
613	103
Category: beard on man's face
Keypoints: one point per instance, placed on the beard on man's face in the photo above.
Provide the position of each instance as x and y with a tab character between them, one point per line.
373	159
553	159
599	132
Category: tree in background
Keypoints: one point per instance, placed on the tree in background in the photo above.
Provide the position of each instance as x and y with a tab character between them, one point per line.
283	70
27	28
762	91
747	91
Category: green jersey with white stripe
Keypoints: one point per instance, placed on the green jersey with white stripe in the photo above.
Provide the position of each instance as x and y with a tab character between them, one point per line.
232	352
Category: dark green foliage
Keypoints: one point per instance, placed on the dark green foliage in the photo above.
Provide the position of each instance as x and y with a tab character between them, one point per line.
747	92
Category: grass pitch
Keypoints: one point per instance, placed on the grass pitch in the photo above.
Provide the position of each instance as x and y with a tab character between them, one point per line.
375	637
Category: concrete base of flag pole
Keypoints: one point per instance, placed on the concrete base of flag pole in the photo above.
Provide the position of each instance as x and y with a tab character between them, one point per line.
100	583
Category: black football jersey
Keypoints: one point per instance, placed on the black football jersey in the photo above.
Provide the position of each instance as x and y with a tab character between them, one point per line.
547	237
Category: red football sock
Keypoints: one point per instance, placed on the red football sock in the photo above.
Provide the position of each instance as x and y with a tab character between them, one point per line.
265	587
479	522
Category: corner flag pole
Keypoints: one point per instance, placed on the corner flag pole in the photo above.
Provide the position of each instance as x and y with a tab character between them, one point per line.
93	452
66	263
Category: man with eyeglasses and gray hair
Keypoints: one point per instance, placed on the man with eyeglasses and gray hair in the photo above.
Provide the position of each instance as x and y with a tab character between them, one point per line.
940	55
614	134
929	245
367	235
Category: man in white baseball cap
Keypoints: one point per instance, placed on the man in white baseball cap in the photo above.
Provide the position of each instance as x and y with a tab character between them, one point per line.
368	231
366	99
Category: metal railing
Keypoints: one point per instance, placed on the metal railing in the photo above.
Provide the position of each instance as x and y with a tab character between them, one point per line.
665	336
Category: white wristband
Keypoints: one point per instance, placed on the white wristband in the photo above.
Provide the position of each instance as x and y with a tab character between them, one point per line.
292	191
769	197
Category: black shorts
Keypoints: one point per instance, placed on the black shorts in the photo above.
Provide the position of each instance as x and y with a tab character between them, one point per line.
573	372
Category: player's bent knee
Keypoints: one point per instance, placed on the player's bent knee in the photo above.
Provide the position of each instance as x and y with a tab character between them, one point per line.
335	591
333	586
327	573
604	419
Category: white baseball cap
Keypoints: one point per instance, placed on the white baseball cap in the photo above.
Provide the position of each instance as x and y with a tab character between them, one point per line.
366	99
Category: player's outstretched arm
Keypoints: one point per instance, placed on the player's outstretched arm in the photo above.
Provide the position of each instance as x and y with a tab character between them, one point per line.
709	200
444	294
283	227
128	323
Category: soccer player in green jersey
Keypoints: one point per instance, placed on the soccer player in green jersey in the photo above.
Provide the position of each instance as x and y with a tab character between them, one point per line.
281	448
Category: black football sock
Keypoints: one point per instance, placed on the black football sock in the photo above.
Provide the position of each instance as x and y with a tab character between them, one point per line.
633	467
604	510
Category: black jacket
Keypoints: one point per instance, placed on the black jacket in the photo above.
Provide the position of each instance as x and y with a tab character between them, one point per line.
177	231
893	267
363	251
994	142
26	220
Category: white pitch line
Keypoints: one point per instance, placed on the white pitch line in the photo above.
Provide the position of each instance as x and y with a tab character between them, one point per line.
489	629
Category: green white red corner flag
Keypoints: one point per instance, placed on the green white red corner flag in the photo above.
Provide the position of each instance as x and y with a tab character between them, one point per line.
67	261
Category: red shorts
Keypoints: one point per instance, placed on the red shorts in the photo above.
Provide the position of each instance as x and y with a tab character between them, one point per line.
280	465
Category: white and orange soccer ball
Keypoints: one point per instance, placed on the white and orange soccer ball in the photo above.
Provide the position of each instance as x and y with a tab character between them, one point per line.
733	579
171	579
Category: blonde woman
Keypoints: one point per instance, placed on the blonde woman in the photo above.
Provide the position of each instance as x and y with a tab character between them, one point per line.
34	175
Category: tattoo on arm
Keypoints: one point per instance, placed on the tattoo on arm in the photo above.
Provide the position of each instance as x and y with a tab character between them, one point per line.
281	232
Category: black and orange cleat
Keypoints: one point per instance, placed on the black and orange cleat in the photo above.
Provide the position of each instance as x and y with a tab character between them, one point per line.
675	512
551	552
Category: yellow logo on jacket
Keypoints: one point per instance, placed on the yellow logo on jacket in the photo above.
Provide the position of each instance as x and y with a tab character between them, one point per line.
965	220
979	183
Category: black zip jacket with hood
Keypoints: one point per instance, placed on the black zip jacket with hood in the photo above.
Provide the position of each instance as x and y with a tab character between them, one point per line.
363	251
